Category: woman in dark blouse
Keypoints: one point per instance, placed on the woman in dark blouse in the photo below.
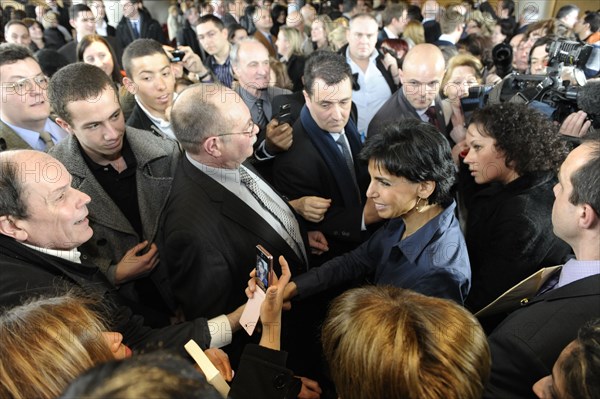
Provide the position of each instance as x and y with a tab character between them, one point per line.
421	246
514	153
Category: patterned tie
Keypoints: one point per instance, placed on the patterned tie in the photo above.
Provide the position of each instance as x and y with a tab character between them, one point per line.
286	219
432	116
47	139
261	119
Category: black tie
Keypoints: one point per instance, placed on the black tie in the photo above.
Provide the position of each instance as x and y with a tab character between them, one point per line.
432	116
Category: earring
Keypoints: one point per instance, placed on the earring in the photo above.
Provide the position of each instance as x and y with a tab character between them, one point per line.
418	205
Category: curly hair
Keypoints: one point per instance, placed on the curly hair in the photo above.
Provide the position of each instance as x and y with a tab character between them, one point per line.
528	139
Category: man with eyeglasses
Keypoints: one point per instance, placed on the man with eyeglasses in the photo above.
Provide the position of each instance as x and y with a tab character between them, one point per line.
219	208
128	173
212	36
418	97
24	110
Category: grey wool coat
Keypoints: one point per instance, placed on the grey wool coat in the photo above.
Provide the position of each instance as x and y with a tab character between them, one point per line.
157	158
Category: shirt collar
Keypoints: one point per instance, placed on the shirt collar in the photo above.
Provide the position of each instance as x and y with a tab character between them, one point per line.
126	153
161	123
32	137
575	270
413	245
72	255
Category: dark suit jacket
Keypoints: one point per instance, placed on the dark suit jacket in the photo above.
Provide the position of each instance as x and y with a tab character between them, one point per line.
27	273
381	36
526	345
69	50
509	235
398	107
302	171
139	120
186	36
110	30
432	31
295	70
208	242
150	29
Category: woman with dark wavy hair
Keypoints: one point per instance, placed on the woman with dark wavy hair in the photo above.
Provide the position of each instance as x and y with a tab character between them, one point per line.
515	152
421	246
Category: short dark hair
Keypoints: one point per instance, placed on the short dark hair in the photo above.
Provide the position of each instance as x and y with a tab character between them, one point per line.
581	369
593	18
566	10
393	11
11	188
211	18
78	8
328	66
76	82
349	5
417	151
509	5
586	179
232	28
528	139
11	53
140	48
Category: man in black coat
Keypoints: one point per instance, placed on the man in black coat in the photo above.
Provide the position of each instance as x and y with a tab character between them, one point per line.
136	24
418	97
84	22
315	164
212	220
526	345
42	222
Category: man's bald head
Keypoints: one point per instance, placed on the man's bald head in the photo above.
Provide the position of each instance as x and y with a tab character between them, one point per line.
196	114
422	74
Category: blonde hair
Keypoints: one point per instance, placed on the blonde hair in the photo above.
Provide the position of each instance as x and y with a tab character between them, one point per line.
337	37
414	31
466	60
484	21
387	342
47	343
293	37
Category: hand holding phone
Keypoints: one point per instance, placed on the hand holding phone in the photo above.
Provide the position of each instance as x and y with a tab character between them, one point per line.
264	267
284	115
264	270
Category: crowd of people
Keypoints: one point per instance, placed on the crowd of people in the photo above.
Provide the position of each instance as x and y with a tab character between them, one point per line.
431	235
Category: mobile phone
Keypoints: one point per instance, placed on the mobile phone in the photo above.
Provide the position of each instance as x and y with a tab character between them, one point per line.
284	115
264	267
177	55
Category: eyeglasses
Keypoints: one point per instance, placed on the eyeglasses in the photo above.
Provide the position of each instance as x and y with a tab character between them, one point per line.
249	133
25	85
